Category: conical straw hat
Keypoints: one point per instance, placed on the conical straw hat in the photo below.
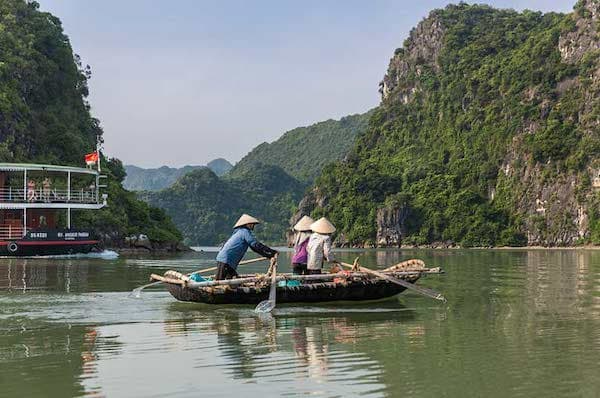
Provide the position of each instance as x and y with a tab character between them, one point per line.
322	226
304	224
246	219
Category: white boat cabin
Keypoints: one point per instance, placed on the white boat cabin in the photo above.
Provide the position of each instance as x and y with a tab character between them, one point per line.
41	197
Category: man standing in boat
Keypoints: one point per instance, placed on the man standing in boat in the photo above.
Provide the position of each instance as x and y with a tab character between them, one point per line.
234	249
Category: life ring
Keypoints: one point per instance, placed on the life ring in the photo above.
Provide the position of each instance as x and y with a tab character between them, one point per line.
12	247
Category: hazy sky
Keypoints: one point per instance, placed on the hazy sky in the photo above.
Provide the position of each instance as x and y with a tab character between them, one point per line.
183	81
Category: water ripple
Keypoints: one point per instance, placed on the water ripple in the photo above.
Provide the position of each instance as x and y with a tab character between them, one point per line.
519	323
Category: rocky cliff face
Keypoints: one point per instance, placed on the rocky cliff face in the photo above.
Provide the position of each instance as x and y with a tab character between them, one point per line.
391	226
582	40
420	52
489	127
556	206
553	208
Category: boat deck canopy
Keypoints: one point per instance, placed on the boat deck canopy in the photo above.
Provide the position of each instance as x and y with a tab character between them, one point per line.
45	167
63	187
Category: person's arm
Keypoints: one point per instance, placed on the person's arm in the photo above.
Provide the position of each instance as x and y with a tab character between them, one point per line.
328	252
258	247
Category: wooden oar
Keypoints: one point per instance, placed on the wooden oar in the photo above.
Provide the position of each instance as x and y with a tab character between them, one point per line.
419	289
268	305
138	290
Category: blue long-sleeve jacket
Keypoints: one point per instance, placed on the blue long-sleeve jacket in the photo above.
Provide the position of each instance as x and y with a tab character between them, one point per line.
236	246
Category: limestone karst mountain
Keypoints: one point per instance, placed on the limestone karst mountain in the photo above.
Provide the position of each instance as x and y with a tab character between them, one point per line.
487	134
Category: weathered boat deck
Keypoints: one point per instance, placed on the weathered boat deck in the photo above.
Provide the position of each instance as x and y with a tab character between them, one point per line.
369	289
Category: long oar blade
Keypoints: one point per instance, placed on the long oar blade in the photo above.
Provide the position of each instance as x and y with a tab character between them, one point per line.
265	306
269	305
419	289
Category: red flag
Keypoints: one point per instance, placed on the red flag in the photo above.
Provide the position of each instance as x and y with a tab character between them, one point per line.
91	158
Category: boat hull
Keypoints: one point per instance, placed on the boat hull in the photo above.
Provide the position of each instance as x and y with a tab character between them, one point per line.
28	248
364	290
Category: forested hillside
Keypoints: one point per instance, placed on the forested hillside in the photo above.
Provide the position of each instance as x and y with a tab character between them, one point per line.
45	117
140	179
267	183
205	207
487	134
304	151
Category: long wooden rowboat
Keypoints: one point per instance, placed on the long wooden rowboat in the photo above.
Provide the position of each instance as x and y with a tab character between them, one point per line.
252	289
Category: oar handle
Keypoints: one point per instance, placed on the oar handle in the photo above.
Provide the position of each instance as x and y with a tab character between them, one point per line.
254	260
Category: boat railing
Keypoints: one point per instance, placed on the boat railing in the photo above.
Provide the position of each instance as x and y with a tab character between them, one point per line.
46	195
8	232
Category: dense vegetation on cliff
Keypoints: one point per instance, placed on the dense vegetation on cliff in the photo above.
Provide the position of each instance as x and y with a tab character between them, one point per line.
44	116
140	179
487	135
267	183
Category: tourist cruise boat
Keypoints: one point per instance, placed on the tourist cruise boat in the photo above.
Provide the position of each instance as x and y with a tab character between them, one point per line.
36	205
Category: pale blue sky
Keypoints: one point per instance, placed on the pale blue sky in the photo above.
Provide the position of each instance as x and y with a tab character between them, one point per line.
183	82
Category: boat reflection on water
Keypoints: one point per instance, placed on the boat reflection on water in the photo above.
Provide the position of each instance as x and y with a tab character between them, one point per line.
305	346
42	274
52	363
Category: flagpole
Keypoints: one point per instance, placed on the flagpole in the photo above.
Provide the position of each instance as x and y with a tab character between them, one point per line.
98	151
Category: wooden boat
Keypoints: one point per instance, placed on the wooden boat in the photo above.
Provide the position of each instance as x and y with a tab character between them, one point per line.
252	289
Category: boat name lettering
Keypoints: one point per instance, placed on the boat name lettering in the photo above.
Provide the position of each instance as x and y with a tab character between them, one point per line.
71	235
38	235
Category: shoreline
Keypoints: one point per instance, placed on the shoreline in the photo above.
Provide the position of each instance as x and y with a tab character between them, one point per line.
503	248
587	247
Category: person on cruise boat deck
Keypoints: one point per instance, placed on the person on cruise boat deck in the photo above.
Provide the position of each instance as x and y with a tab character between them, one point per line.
31	196
46	185
319	245
300	257
236	246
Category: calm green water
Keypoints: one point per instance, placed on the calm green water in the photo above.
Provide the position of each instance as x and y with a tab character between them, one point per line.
518	324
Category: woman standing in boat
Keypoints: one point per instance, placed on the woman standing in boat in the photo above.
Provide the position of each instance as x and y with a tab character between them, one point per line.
234	249
319	245
300	257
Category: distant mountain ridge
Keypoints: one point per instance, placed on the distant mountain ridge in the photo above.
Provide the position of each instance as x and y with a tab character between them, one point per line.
155	179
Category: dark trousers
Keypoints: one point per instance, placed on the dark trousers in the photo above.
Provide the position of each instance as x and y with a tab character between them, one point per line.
224	271
313	271
299	269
